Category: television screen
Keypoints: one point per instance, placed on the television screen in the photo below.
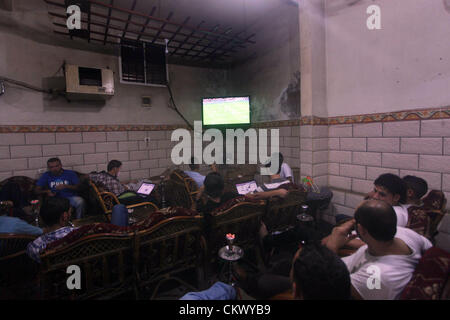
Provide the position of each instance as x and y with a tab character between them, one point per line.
226	111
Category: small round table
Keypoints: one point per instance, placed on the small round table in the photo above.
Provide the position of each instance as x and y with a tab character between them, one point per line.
230	254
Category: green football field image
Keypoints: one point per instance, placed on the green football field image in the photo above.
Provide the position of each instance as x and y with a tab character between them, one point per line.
226	112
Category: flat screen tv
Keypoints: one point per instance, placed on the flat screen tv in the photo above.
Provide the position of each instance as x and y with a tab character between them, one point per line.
226	112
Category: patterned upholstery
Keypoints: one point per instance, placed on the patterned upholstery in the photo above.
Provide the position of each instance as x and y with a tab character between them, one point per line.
430	277
107	255
98	228
424	219
26	185
230	203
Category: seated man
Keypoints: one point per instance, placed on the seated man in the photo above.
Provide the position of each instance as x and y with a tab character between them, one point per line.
286	171
276	181
383	267
111	182
315	273
15	225
416	188
11	191
392	189
194	174
55	213
61	183
212	195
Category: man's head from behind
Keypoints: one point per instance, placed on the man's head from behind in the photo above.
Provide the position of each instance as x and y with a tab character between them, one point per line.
214	184
319	274
55	211
390	188
194	166
376	220
54	166
114	167
416	187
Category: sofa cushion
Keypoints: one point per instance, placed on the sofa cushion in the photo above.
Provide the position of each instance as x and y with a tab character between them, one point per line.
430	276
107	228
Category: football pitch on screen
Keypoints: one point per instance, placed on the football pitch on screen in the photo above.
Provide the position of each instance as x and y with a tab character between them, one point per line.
226	113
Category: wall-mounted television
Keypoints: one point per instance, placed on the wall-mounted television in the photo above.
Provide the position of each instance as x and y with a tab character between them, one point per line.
226	112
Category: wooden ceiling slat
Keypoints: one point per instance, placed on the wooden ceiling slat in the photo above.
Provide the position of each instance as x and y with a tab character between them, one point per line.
133	6
116	37
146	23
186	39
215	34
162	26
198	41
204	48
123	20
107	24
220	47
179	29
129	31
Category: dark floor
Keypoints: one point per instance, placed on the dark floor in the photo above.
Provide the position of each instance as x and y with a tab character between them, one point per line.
173	290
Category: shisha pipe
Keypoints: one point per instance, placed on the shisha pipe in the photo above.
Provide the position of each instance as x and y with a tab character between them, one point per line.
308	181
230	239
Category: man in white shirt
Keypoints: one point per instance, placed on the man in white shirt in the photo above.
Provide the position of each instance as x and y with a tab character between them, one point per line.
286	171
392	189
383	267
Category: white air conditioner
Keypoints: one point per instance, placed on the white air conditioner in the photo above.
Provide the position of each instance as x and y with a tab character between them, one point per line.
88	83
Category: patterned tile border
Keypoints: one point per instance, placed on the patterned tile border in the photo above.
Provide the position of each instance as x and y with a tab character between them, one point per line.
408	115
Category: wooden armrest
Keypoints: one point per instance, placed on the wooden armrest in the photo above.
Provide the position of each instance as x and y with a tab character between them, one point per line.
143	204
107	193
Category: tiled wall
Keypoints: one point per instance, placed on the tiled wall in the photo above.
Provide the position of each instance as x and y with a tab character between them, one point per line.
346	157
360	152
26	153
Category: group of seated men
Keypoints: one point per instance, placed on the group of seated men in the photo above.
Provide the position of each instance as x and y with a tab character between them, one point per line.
377	233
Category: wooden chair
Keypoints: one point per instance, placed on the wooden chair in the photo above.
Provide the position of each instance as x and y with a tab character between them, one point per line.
242	219
106	265
16	267
165	250
176	195
107	200
425	219
189	183
281	214
430	280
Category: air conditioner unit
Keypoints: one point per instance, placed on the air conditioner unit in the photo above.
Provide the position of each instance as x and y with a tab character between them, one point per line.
88	83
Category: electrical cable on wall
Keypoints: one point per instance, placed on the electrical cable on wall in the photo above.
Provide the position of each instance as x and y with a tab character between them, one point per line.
176	109
22	84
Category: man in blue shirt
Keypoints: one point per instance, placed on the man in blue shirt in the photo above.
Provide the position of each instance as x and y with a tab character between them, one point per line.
197	177
61	183
16	225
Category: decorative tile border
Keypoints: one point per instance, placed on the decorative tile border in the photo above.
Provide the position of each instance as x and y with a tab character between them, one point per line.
88	128
408	115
